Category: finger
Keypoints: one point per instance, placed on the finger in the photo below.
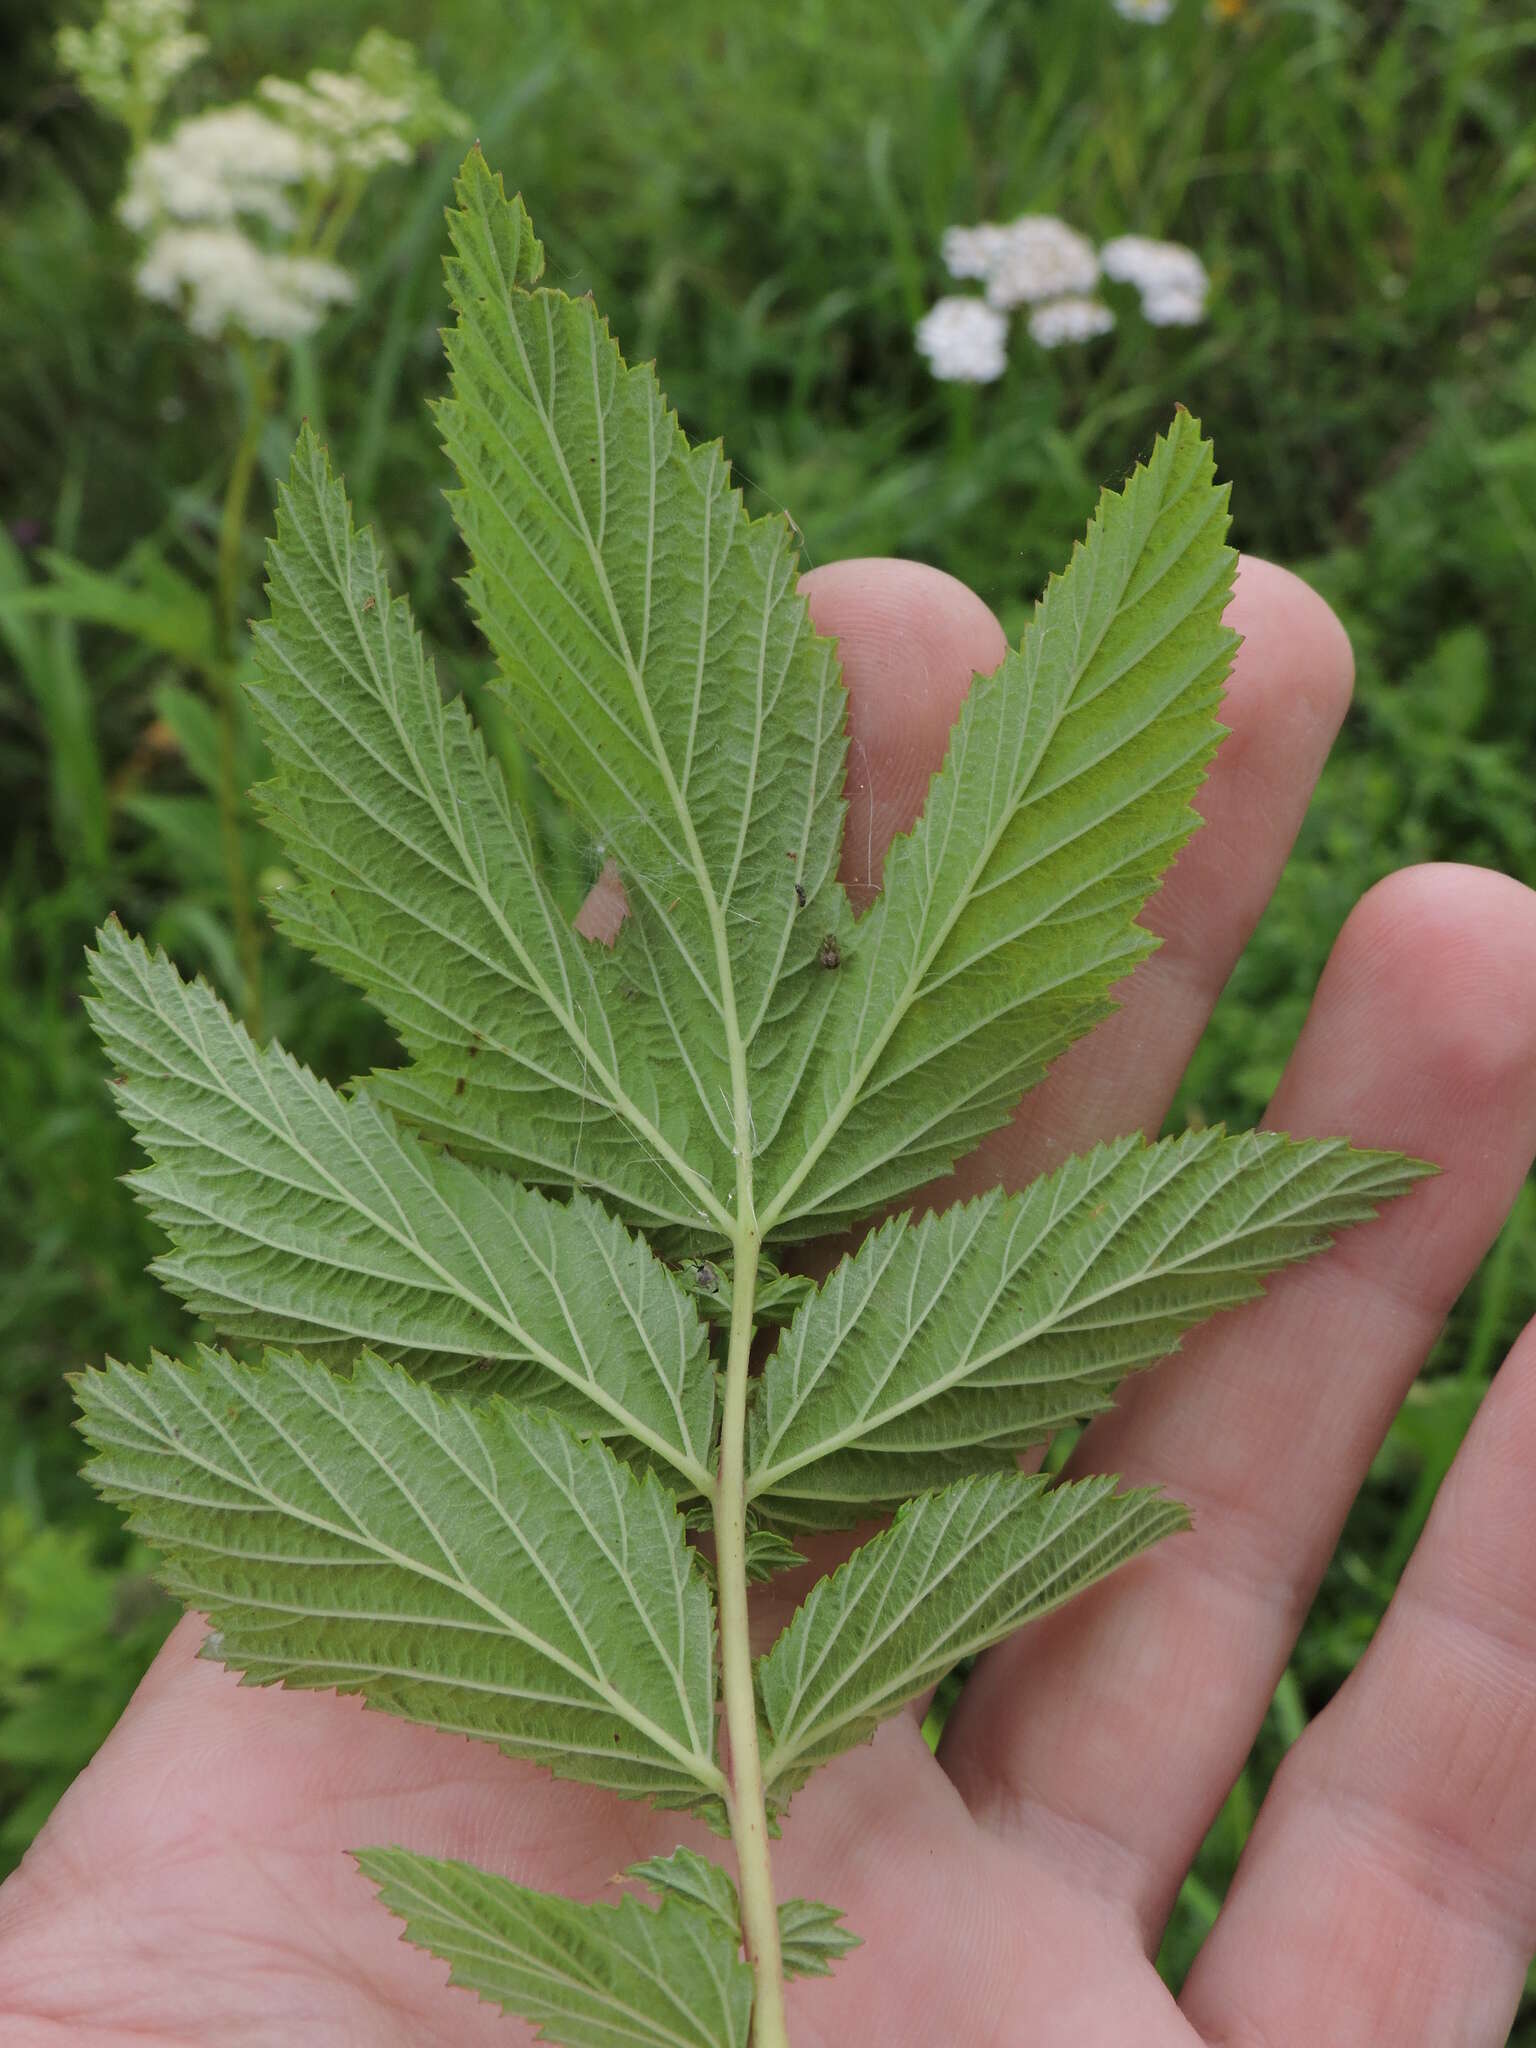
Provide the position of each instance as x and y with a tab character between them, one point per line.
1287	697
1113	1730
1389	1890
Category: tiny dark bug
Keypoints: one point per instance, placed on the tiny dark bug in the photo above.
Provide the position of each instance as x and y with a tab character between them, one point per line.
831	954
800	894
369	603
458	1086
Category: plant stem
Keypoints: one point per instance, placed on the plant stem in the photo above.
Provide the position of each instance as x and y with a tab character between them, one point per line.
749	1822
237	493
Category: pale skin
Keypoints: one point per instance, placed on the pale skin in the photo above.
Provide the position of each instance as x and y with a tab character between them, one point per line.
194	1886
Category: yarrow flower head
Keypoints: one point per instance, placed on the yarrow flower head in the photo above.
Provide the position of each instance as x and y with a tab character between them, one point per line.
1041	262
1153	12
128	61
1171	279
973	252
221	279
964	340
1033	258
218	166
1069	319
1036	260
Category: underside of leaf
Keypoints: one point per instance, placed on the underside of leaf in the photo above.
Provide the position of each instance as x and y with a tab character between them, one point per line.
619	1976
548	1390
477	1569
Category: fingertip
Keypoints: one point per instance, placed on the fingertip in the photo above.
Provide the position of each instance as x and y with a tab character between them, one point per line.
1446	952
1293	640
892	610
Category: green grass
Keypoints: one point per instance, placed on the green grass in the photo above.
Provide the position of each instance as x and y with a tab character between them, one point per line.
757	200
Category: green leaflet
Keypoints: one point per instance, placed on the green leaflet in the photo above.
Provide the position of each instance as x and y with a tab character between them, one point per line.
956	1571
418	882
658	661
1006	914
300	1217
620	1976
811	1938
479	1569
982	1329
687	1875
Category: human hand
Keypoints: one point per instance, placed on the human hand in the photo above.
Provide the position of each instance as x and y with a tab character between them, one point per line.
194	1887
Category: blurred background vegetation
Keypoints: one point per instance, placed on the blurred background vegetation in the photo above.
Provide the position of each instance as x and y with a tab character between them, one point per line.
756	197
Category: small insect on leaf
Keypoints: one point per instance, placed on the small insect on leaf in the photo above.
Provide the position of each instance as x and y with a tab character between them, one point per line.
831	954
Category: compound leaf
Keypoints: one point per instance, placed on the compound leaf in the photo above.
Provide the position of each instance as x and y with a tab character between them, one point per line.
476	1568
1005	916
588	1976
301	1217
981	1329
748	1065
957	1571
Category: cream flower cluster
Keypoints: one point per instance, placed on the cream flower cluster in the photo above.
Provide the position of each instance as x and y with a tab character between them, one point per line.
222	279
217	166
1171	279
965	341
1153	12
130	58
342	115
240	206
1040	262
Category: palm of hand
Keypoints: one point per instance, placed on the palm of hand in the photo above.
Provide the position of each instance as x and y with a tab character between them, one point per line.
194	1886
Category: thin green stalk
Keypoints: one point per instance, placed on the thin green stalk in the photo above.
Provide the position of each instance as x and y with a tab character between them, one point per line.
749	1825
237	493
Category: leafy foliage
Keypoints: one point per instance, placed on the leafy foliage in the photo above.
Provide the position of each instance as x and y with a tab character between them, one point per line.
478	1568
620	1976
507	1552
973	1334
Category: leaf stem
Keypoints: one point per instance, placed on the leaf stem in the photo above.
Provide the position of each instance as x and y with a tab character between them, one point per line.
749	1821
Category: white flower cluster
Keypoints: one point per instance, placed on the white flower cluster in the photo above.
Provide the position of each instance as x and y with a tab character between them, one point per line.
216	198
1171	279
965	341
222	279
339	113
1153	12
1041	262
1035	261
1039	258
130	58
218	166
1069	319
